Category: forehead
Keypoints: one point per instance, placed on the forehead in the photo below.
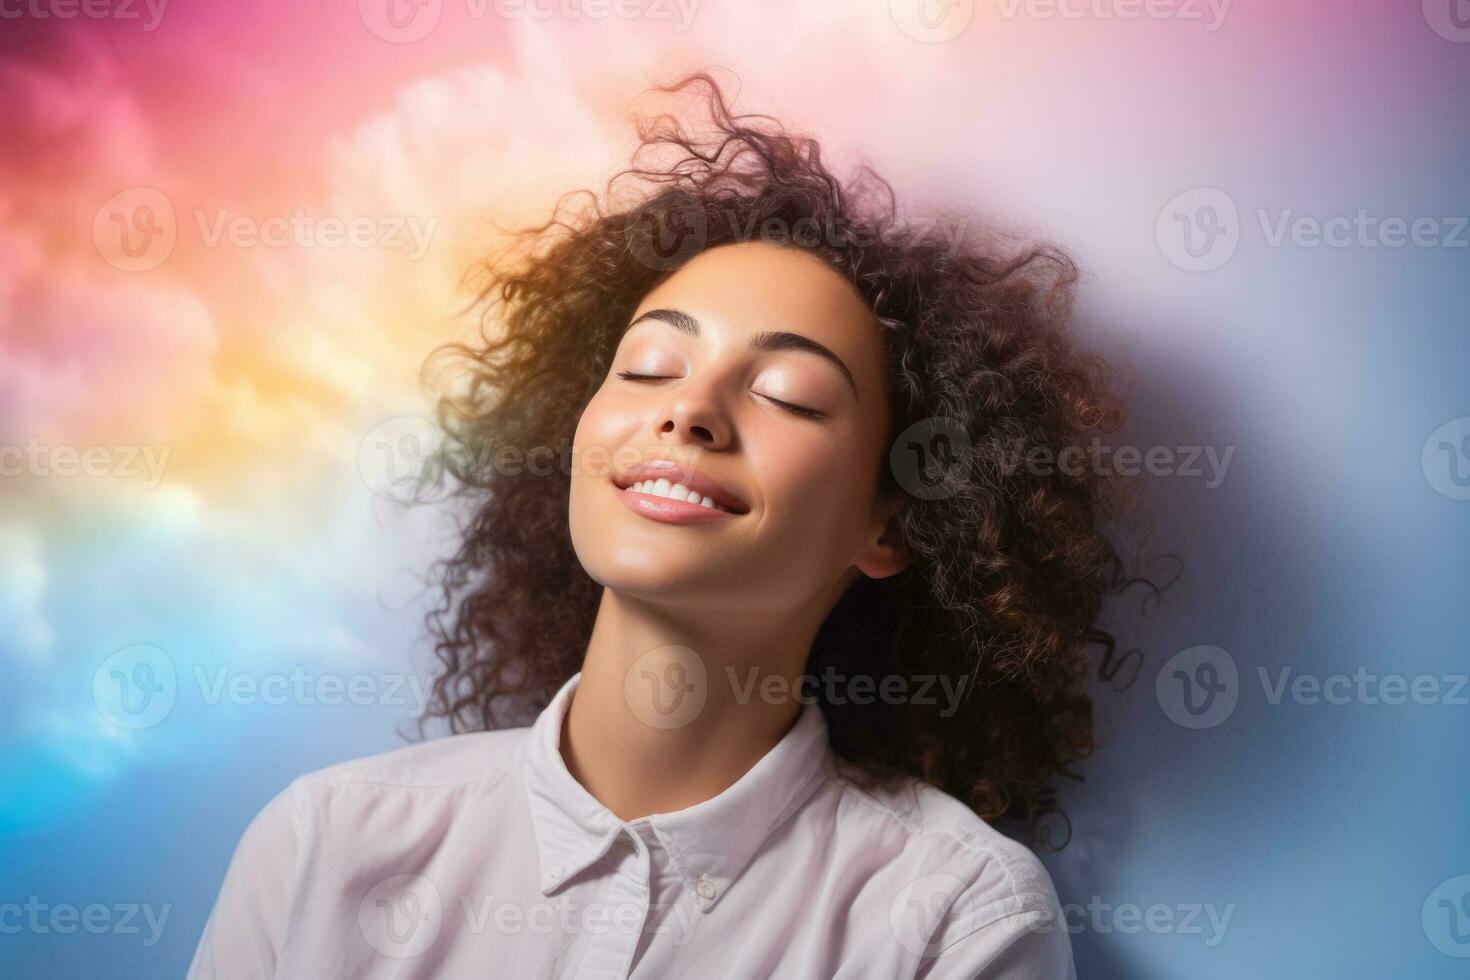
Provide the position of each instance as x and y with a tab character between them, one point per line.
749	287
752	277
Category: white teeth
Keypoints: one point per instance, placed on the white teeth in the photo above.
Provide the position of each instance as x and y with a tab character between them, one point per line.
676	491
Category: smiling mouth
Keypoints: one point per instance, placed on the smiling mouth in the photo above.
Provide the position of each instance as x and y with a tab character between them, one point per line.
676	492
655	501
668	489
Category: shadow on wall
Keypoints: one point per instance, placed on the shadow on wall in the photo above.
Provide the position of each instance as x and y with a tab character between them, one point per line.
1163	800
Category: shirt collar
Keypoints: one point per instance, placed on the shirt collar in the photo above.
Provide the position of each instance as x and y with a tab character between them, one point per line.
709	844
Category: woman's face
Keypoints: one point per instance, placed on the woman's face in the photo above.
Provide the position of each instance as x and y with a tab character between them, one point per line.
754	374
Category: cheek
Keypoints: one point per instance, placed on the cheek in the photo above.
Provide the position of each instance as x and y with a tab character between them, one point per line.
586	518
609	418
605	422
592	442
818	481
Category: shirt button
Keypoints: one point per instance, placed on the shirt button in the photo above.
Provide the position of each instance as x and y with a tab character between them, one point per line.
705	888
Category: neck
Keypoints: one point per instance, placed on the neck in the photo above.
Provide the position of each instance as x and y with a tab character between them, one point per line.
669	711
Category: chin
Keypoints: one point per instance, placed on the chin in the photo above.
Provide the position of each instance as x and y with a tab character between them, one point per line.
684	579
652	574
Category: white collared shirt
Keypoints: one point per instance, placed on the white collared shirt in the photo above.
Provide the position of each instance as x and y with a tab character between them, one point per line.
479	855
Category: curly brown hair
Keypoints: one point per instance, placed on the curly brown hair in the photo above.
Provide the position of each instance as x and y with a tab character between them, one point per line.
1009	562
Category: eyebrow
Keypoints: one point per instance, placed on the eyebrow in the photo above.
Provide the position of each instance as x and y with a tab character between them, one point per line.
768	340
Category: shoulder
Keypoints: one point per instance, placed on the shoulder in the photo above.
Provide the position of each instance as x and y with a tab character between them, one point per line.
328	828
423	786
961	896
935	831
450	761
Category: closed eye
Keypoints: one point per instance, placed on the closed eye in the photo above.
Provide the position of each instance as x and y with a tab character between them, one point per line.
801	410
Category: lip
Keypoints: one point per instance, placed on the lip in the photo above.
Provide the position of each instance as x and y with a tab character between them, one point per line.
671	511
727	504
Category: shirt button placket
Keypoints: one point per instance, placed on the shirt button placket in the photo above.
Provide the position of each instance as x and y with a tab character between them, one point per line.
610	950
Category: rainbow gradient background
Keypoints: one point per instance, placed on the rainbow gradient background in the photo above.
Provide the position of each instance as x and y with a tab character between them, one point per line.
283	384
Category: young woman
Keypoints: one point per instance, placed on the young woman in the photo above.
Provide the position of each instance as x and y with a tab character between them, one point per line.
763	543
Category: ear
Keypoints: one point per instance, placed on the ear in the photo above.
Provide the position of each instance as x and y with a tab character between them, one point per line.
886	554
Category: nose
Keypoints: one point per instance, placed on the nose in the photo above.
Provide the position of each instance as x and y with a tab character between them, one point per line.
693	416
